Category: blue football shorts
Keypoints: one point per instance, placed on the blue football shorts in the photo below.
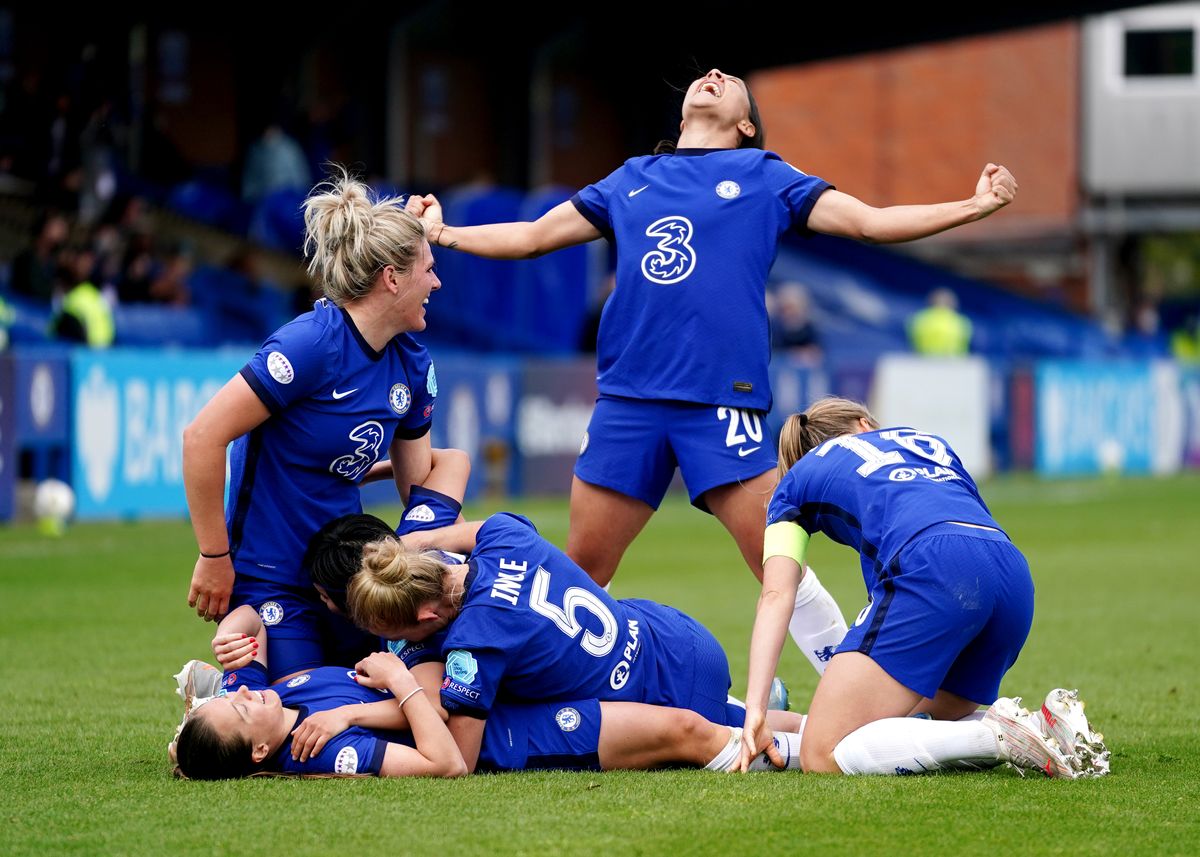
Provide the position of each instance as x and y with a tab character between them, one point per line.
690	669
561	736
301	634
951	612
634	445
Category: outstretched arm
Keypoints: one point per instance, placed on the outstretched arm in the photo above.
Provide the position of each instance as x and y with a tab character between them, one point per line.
561	226
784	547
840	214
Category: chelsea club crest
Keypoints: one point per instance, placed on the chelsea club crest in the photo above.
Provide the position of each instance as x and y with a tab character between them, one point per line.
400	399
729	190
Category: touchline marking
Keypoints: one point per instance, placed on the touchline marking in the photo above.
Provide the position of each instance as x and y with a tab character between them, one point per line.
338	395
634	193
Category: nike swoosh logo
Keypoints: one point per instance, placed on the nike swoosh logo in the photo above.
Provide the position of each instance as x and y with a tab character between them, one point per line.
338	395
634	193
744	452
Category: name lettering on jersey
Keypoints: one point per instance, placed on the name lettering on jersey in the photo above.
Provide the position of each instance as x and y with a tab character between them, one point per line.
508	586
620	673
933	474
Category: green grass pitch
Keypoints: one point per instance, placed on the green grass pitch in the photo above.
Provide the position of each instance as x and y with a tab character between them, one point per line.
93	625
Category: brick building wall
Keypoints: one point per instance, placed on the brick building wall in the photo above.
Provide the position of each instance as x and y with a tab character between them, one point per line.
918	124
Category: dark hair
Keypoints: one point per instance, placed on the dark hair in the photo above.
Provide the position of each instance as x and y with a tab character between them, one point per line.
202	753
334	552
758	141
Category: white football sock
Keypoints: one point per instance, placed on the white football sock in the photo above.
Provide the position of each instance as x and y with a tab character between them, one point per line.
817	625
730	753
788	744
910	745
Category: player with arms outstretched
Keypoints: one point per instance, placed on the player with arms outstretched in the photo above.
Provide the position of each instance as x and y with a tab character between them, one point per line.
683	343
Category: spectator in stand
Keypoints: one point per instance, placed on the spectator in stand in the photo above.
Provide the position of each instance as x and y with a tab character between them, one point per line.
940	330
138	270
275	162
792	328
33	271
85	315
170	284
1185	340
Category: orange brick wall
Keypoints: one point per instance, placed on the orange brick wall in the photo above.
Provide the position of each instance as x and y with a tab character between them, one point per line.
918	124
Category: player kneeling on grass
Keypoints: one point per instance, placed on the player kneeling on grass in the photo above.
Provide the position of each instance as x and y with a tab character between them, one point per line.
250	730
951	604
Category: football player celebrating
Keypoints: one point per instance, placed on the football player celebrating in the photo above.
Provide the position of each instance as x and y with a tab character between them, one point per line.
391	728
321	402
683	344
520	620
951	604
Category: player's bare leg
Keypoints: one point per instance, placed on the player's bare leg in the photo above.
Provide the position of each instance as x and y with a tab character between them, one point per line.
857	725
637	737
817	624
742	508
603	524
946	706
853	692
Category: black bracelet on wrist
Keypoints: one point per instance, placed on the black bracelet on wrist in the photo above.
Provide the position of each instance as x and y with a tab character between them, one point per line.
215	555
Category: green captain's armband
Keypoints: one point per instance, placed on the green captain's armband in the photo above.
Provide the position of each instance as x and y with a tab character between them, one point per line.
785	538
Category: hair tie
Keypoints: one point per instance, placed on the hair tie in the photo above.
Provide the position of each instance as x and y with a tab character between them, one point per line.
803	420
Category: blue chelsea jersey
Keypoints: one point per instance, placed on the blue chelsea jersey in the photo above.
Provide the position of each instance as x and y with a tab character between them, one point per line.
696	234
534	626
335	406
355	751
875	491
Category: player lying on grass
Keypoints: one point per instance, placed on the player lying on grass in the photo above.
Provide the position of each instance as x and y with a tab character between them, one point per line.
396	732
521	621
951	604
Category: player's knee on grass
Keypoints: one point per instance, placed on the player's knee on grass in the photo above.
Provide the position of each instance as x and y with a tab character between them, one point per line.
817	757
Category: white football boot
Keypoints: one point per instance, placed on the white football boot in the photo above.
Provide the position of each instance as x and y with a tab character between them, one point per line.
195	684
197	680
1062	716
1024	742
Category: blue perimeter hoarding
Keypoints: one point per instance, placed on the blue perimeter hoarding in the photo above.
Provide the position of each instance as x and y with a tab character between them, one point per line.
130	409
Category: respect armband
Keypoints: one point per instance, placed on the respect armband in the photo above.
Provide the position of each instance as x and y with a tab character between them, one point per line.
785	538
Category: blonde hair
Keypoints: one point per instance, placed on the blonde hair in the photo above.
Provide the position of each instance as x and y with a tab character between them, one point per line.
349	237
825	418
391	585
